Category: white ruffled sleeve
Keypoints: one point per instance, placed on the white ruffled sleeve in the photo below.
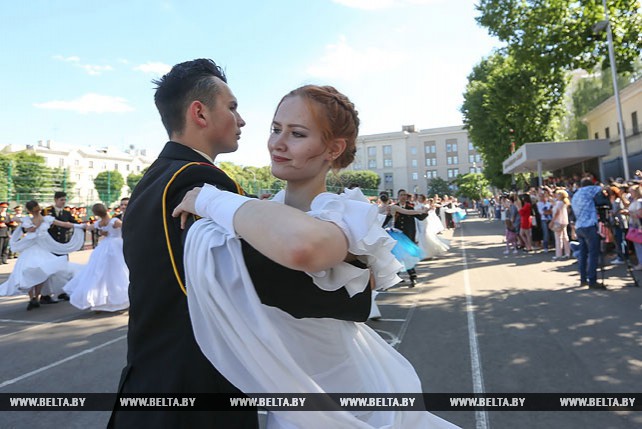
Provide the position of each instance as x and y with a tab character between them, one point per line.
361	222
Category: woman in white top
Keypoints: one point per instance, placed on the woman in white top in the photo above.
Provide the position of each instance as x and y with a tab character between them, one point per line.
559	224
262	349
37	266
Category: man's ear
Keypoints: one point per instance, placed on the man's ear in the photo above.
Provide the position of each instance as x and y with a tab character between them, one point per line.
197	113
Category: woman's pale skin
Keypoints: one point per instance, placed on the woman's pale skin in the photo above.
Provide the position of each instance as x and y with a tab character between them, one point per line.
302	158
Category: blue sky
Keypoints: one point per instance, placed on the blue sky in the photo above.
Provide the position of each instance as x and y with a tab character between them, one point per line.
79	72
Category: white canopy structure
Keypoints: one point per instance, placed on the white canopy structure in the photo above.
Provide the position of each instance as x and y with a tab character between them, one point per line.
550	156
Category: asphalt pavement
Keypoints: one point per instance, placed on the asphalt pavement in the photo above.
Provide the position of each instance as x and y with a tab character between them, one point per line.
478	321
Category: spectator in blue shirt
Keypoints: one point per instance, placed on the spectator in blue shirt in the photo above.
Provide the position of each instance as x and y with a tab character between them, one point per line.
583	205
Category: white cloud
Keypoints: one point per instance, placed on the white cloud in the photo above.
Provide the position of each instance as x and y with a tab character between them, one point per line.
91	69
380	4
95	70
89	103
342	61
71	59
156	68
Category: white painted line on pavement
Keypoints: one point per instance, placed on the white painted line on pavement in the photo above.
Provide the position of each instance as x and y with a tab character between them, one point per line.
390	320
404	327
60	362
481	417
29	322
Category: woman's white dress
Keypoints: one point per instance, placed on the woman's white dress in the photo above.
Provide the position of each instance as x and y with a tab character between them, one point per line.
103	283
428	240
37	263
262	349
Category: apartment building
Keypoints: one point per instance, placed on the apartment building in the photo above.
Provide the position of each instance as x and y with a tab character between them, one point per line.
410	158
83	163
602	123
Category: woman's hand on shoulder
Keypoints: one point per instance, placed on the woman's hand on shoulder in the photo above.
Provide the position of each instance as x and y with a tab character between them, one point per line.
187	206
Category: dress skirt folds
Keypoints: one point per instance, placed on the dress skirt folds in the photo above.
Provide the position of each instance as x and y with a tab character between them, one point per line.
405	250
262	349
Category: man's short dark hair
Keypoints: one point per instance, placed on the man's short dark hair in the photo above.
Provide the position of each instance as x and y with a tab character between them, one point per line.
59	194
586	182
400	191
185	83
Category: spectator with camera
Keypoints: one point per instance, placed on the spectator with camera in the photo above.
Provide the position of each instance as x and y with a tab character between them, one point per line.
586	230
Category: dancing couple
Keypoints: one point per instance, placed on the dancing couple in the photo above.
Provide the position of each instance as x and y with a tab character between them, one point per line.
264	296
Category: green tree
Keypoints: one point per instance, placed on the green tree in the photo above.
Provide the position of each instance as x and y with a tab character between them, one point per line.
109	185
555	35
367	180
30	175
472	185
438	186
506	101
134	178
5	177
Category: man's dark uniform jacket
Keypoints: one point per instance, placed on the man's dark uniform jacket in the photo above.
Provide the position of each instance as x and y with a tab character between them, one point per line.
5	230
60	234
406	223
162	355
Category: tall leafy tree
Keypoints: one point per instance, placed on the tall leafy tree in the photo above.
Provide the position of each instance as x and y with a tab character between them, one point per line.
30	175
559	35
506	101
109	185
472	185
438	186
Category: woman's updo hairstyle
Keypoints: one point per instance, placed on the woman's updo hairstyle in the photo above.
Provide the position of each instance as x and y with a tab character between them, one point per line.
99	210
336	116
31	205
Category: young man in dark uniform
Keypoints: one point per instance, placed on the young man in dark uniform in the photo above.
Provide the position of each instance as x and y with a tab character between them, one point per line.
58	210
406	224
200	114
60	234
13	225
5	234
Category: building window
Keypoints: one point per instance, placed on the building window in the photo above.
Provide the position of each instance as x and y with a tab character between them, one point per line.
413	150
415	176
607	132
477	158
116	166
91	164
61	162
387	162
430	147
372	151
127	167
597	136
470	146
471	158
472	170
451	145
387	150
387	179
431	174
431	162
452	160
76	163
634	122
452	173
138	168
78	177
413	163
372	163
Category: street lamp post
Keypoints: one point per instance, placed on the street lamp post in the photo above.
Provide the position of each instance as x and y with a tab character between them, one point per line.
601	26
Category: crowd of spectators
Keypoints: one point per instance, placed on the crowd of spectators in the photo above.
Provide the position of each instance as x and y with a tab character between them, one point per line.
545	218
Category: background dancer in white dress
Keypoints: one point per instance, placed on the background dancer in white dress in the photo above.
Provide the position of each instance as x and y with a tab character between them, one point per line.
37	267
262	349
102	284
